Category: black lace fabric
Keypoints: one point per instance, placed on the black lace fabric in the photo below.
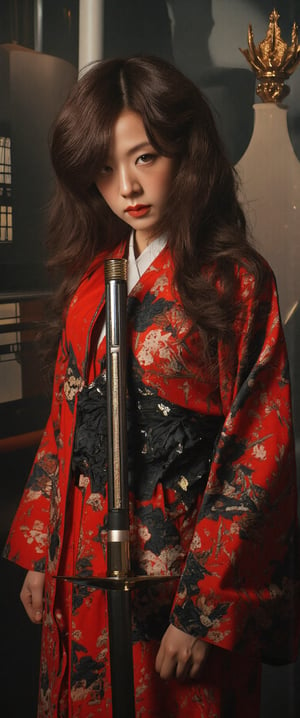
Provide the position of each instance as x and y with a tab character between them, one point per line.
166	443
90	441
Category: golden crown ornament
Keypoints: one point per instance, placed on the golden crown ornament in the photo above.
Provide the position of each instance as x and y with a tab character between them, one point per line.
273	60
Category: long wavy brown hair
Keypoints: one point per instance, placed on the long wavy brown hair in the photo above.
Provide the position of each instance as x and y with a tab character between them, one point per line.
203	220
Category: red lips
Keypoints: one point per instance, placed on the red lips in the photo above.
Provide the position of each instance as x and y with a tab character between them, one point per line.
138	210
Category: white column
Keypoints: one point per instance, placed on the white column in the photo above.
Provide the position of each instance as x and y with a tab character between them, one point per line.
91	27
38	25
270	175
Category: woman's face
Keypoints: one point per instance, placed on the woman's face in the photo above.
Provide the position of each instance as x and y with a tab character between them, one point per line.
136	180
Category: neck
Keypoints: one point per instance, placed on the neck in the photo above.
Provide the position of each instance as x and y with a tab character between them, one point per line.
140	243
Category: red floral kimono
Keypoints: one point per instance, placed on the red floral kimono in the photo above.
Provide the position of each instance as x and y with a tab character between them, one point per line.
212	500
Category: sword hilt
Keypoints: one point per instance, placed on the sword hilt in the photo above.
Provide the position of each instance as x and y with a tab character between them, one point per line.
118	550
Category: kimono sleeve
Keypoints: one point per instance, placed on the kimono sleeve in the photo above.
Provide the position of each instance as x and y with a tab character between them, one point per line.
239	588
28	537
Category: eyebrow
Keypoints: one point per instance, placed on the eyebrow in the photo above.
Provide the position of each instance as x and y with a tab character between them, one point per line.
135	149
138	147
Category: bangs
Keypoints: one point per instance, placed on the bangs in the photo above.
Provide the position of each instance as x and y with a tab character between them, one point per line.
82	135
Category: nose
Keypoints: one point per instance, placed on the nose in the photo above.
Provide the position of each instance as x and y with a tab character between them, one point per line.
128	182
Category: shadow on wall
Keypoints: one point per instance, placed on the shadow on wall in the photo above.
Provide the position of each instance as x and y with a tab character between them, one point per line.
206	40
229	90
137	26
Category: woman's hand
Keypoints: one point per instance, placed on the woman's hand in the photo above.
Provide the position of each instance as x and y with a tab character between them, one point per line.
32	595
180	655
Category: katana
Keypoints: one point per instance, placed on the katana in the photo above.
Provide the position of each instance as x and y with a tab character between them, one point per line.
118	581
118	552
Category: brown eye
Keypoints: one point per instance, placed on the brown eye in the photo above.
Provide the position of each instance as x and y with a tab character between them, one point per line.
105	170
146	159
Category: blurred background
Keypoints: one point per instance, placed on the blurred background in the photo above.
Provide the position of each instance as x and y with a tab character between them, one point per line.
41	50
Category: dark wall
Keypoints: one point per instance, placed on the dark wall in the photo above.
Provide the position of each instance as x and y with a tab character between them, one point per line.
35	86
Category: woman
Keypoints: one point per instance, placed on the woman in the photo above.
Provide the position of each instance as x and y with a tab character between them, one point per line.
141	173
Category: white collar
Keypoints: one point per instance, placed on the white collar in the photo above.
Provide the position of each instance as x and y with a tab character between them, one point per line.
138	265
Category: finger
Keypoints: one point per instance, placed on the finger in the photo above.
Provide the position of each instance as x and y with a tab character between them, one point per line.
32	598
183	669
200	653
165	663
184	662
200	650
37	604
168	668
195	670
26	599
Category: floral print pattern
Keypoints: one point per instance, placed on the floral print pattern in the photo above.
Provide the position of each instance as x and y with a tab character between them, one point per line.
212	503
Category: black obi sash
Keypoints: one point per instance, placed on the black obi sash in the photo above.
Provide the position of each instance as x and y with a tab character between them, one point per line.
166	442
